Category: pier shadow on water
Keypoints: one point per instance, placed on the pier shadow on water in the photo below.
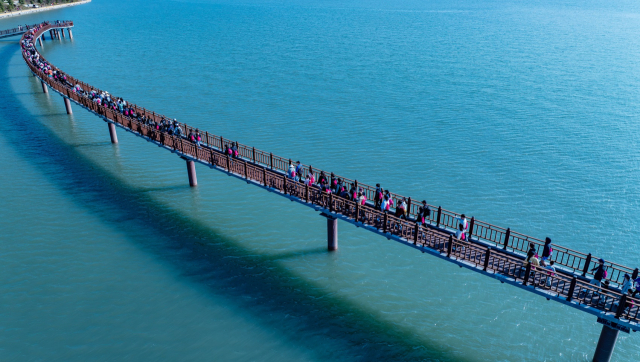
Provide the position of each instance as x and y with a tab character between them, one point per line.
275	297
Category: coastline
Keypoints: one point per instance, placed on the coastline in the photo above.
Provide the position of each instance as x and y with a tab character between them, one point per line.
32	11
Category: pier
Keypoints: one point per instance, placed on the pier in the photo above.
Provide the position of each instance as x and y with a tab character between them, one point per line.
490	250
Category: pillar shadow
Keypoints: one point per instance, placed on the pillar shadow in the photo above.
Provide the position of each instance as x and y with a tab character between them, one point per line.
274	296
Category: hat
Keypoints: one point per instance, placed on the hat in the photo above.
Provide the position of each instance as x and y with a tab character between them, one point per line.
601	260
627	276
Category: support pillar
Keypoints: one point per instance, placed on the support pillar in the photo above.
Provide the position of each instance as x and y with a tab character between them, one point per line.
44	87
40	41
67	105
332	233
62	32
70	35
51	34
112	133
191	169
606	344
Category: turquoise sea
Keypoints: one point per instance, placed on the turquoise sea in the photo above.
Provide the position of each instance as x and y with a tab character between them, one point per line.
524	114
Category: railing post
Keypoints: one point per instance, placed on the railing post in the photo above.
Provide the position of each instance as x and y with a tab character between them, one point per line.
621	306
331	202
228	163
507	235
408	208
471	224
487	256
587	263
253	158
572	288
385	221
357	211
439	216
415	234
450	246
246	173
221	142
526	274
306	192
271	160
264	175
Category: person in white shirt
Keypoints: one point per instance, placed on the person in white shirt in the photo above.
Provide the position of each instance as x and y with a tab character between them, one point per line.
463	220
551	271
627	284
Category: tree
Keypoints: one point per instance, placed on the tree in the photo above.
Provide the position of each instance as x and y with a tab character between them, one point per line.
1	7
21	2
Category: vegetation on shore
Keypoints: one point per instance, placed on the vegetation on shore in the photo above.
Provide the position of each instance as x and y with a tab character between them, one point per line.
17	5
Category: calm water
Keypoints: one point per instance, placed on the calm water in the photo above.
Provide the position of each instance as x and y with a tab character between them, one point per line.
524	114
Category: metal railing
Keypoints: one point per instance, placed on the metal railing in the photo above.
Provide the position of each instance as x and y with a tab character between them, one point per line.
270	170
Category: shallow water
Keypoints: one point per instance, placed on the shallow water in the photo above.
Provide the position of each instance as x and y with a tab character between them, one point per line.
522	115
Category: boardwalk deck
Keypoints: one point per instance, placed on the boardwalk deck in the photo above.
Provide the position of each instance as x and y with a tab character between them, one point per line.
491	250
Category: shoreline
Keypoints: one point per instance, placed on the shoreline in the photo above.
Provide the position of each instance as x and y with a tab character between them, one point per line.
32	11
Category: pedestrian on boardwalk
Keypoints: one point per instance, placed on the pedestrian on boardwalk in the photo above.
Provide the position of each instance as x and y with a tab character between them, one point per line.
547	251
600	273
401	210
423	213
292	171
463	220
378	196
627	284
323	178
532	251
551	272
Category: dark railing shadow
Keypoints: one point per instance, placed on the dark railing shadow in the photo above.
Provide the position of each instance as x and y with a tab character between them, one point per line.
274	296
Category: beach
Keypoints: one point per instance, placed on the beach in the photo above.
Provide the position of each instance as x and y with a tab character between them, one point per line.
37	10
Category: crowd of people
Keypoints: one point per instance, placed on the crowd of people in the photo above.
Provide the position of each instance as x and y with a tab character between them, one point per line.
382	199
102	98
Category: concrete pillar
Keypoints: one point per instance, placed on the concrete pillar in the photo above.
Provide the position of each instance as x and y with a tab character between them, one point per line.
51	34
191	170
44	87
62	32
67	105
40	41
112	133
70	35
606	344
332	233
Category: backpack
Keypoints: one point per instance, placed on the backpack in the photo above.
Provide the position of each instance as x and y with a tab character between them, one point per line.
235	153
229	151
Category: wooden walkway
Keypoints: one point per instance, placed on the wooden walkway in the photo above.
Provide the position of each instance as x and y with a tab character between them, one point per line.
491	250
16	31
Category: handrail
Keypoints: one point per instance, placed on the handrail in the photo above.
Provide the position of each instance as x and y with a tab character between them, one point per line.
17	30
485	232
270	171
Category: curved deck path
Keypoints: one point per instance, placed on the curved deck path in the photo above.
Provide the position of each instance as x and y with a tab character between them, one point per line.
493	251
